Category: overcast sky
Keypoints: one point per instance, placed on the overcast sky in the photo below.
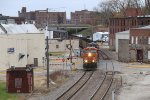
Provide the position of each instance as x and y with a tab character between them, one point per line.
11	7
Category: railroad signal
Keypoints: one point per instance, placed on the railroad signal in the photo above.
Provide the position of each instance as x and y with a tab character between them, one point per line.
63	59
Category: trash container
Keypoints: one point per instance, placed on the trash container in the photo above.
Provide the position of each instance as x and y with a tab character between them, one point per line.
20	80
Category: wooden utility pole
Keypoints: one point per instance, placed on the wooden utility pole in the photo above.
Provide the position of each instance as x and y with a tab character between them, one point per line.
47	58
70	51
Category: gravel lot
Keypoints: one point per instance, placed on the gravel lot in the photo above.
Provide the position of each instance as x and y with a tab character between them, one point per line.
135	79
74	76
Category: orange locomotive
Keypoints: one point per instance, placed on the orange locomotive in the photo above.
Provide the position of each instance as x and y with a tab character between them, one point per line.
90	58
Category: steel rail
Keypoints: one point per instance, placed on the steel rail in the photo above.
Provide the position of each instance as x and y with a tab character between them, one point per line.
102	83
103	53
98	87
77	83
106	90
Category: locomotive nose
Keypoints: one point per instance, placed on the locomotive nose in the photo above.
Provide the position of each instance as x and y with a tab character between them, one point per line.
89	54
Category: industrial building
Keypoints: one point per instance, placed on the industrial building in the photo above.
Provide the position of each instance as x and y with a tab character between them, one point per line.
85	17
133	45
123	24
140	43
101	36
43	17
21	45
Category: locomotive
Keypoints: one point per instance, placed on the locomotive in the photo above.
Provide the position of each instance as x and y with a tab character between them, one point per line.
90	57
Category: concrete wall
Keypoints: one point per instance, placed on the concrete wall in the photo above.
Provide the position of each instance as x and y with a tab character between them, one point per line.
123	50
120	35
36	48
132	55
12	59
62	45
27	44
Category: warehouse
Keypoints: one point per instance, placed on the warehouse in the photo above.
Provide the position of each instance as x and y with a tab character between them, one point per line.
21	45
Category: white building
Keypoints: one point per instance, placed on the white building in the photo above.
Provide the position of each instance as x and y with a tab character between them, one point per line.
121	35
62	46
21	45
100	36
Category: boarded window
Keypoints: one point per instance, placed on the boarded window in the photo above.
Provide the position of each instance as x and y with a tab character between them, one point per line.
149	40
136	40
18	82
132	40
57	46
148	54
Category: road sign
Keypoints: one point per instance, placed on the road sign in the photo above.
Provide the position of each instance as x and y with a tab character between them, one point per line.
63	59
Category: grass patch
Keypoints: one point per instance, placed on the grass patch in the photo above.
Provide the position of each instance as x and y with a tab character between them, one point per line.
56	53
4	95
86	32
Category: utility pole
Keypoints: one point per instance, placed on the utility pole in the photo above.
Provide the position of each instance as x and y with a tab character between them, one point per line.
47	57
70	51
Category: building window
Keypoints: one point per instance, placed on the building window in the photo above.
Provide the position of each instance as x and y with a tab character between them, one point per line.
136	40
148	54
132	39
148	40
57	46
140	40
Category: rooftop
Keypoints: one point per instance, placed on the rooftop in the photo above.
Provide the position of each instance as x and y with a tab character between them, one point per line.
18	29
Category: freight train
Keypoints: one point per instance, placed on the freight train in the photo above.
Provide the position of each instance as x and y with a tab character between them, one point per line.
90	57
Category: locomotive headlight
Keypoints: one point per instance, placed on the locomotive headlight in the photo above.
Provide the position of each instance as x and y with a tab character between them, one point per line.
86	61
93	60
89	54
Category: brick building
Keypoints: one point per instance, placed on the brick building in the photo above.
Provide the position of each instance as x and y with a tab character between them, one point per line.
84	17
11	20
134	12
43	17
123	24
140	44
18	20
134	45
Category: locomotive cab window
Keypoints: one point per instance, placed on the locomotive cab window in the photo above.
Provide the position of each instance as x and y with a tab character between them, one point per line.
92	51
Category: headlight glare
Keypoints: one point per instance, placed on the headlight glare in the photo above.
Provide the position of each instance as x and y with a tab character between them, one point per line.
86	61
89	54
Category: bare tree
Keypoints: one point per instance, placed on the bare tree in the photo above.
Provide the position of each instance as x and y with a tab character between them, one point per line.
117	8
105	12
147	8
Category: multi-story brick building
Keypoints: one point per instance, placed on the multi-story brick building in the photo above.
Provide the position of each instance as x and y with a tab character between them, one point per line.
43	17
122	24
84	17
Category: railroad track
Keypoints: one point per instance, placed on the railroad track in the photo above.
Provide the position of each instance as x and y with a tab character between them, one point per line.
104	55
104	87
90	87
76	87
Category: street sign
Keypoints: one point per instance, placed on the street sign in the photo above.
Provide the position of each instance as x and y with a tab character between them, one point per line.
63	59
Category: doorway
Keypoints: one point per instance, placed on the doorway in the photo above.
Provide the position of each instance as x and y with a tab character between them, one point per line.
35	61
140	55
